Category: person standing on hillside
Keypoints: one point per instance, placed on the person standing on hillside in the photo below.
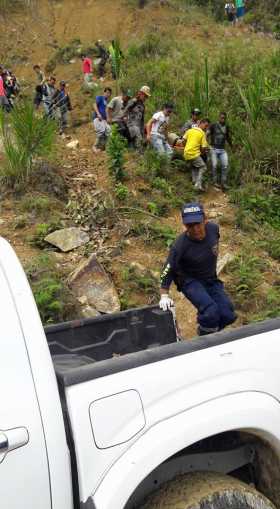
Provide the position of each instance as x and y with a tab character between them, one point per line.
87	70
38	90
101	126
157	130
240	9
115	112
230	12
192	266
134	113
196	146
219	134
193	121
4	103
48	91
62	105
103	55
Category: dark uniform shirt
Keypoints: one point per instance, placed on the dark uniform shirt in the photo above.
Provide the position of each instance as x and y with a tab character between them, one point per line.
135	112
219	134
191	259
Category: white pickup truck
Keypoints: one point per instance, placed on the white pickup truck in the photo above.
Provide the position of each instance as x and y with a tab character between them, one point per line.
114	413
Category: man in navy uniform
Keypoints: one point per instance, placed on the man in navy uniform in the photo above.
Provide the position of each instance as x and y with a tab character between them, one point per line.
192	265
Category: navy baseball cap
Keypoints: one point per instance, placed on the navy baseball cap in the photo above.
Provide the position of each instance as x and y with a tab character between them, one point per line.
192	213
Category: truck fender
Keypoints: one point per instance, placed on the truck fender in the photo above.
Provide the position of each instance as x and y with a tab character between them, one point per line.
254	412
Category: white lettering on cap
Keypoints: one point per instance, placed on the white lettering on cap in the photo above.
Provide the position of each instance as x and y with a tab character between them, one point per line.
189	210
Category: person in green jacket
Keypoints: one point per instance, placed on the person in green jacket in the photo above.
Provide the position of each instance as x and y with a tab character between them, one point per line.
240	9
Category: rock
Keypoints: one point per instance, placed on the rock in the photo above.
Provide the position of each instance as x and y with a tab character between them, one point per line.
87	310
73	144
213	214
90	281
138	267
67	238
72	61
223	262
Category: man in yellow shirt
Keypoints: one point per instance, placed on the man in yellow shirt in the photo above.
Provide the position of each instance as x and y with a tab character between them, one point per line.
195	146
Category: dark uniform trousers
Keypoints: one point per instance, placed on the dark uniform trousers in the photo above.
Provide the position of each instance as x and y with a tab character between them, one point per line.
215	309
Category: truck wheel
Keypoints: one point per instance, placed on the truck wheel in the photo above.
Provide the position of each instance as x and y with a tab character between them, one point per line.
206	490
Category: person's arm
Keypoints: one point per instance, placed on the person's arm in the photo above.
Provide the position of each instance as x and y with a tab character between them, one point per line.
109	111
149	127
229	138
95	107
166	279
204	144
90	66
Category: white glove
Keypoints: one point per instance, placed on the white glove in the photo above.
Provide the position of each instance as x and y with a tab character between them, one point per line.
165	302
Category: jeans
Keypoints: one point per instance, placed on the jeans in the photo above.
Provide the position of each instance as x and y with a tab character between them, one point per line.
161	145
219	155
215	309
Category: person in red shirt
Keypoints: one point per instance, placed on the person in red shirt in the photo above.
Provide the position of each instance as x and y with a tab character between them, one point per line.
87	70
4	103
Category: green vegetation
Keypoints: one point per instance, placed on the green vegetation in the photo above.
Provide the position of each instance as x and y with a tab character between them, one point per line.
138	280
26	137
116	148
41	231
53	297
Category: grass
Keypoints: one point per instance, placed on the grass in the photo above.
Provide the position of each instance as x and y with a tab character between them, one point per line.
52	295
26	138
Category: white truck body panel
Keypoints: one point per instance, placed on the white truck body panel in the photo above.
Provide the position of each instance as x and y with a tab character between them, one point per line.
21	329
171	388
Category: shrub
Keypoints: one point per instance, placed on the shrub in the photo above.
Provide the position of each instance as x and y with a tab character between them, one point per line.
52	295
28	137
245	277
116	148
121	191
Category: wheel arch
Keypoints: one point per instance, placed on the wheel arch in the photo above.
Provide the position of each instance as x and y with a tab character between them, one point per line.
251	413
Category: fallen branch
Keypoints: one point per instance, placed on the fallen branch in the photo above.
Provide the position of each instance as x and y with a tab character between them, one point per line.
140	211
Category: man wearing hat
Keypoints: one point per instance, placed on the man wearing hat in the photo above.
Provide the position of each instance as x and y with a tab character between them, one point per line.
115	112
192	265
134	114
192	122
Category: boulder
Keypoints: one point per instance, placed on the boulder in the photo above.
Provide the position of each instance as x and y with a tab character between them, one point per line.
67	238
90	281
223	262
74	144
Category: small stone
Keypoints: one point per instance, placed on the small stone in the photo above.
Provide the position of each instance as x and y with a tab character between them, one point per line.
73	144
72	61
67	238
223	262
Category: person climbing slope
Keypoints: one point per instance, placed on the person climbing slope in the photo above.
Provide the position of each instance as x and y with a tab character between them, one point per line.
192	266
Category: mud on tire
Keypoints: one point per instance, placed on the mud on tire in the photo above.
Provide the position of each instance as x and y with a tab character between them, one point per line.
206	491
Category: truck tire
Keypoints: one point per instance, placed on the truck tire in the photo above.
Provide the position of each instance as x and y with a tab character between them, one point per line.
206	490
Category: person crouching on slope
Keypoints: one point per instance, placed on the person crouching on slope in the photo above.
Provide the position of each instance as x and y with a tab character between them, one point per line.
192	265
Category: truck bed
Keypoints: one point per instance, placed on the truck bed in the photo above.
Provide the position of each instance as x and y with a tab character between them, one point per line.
80	343
87	349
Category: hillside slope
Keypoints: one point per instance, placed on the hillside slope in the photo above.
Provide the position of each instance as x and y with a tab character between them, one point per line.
161	43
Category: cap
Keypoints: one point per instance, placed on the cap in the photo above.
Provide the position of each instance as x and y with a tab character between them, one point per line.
62	82
196	111
192	213
146	90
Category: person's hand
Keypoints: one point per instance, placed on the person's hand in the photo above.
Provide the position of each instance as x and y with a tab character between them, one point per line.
165	303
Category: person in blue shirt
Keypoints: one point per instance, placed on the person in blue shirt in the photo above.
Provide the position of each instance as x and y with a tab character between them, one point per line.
101	126
61	104
192	266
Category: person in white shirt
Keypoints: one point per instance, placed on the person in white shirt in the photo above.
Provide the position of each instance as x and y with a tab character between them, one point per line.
157	130
230	11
